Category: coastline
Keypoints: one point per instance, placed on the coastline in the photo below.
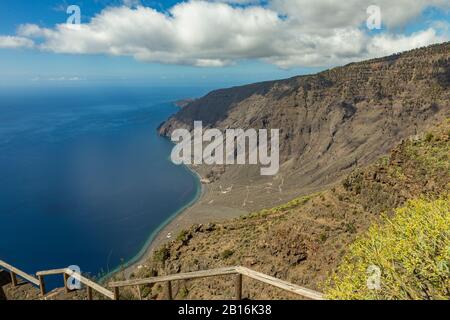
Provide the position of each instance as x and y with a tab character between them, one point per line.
203	209
158	237
198	211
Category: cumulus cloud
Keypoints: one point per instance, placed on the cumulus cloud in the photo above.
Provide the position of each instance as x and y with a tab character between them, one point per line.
326	14
197	33
386	44
10	42
217	33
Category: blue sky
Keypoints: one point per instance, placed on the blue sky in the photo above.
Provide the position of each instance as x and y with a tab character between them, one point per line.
25	66
204	43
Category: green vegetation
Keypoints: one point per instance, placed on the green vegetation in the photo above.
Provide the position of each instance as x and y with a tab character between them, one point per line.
227	254
183	293
162	255
293	204
412	251
350	227
183	236
432	153
323	237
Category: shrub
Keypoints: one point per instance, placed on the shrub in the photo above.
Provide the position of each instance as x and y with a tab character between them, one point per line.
183	236
350	227
227	254
183	293
146	291
412	251
162	254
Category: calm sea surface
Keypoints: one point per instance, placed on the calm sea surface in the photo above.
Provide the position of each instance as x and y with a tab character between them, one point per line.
84	178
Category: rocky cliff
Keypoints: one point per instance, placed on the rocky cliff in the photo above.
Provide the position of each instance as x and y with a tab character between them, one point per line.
329	123
304	240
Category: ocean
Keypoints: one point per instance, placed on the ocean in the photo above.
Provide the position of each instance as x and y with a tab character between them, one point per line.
85	179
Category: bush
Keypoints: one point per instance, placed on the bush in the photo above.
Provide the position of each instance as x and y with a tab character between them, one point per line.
162	254
350	227
183	293
411	251
183	236
227	254
323	237
429	137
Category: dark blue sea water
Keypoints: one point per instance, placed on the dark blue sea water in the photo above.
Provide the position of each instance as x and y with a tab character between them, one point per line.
84	178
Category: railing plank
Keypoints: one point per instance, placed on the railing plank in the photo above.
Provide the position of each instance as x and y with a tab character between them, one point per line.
175	277
287	286
77	276
19	273
53	272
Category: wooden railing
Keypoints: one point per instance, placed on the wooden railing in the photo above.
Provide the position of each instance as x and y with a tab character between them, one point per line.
67	273
238	272
14	272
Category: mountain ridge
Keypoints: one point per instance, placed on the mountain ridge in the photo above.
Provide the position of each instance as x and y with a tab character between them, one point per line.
330	122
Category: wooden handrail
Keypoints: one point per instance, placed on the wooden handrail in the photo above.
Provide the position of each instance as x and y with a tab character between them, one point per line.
286	286
181	276
17	272
88	283
91	285
53	272
238	271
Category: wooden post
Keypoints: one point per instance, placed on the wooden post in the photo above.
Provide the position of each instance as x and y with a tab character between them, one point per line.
238	284
169	290
13	279
89	292
139	292
66	277
42	285
116	293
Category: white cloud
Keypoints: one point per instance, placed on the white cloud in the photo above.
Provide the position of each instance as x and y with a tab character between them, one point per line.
326	14
221	35
213	34
387	44
11	42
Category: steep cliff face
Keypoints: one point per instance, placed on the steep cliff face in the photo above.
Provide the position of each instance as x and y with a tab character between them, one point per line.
329	123
305	239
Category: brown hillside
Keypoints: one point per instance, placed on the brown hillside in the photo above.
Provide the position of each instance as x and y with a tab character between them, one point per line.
305	239
330	123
